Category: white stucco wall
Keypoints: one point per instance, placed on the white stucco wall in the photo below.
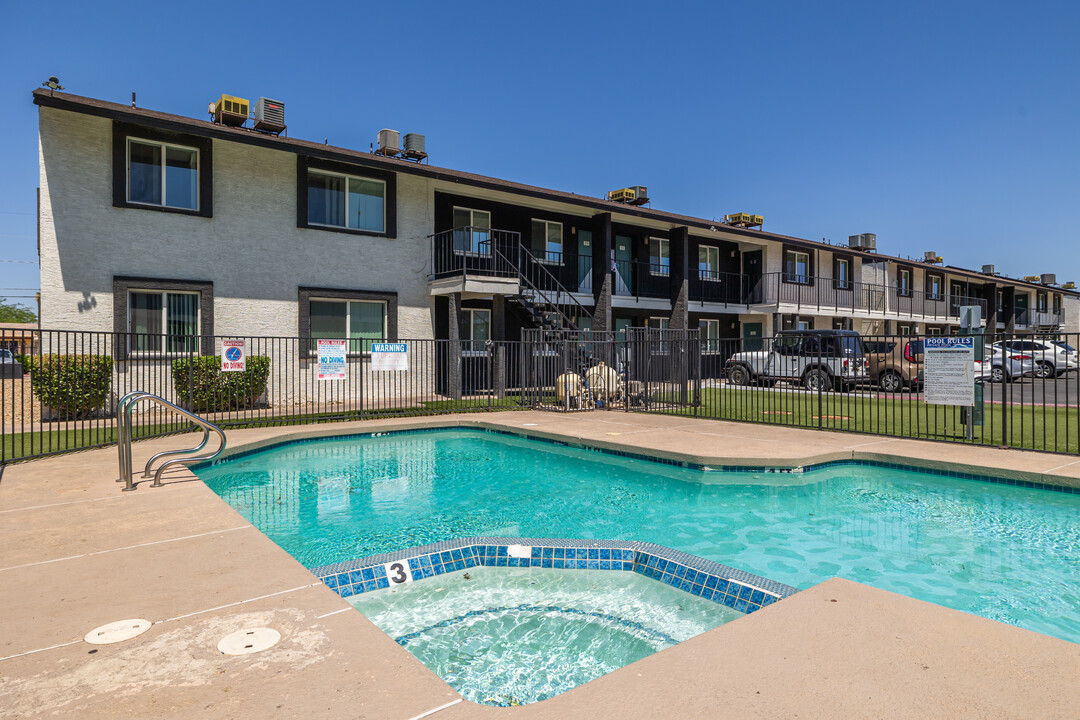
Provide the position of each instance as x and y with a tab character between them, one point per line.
251	249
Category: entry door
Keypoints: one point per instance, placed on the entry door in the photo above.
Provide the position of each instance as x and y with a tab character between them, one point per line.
624	253
751	334
752	270
584	260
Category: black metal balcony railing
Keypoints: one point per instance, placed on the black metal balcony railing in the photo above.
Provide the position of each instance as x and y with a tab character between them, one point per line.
471	251
574	271
641	279
820	293
721	287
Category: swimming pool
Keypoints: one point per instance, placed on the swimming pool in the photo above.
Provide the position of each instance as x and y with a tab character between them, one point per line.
1003	552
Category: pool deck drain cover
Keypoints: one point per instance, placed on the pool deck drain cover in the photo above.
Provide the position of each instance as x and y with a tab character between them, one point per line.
117	632
245	642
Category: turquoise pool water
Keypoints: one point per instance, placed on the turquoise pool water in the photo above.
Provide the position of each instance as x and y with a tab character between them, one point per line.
1007	553
509	636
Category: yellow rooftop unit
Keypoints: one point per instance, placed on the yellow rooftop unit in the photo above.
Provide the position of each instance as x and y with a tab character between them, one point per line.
230	110
745	220
623	195
1032	278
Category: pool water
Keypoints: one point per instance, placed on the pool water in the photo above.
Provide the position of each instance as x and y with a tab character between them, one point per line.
1003	552
510	636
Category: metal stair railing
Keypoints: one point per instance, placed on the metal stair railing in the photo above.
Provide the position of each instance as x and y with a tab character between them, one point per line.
560	290
123	422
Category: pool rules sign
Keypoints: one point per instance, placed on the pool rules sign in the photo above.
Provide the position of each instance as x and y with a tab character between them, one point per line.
949	370
233	355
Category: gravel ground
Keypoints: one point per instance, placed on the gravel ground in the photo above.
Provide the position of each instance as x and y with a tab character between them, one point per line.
18	404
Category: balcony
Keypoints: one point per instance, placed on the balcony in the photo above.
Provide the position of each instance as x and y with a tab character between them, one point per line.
480	252
811	293
641	280
723	288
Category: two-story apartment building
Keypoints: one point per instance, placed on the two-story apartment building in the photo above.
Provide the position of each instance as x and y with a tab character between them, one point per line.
168	226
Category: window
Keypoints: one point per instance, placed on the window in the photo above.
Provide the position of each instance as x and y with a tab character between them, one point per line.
842	273
547	237
797	267
163	321
1040	302
903	282
708	262
472	230
1057	304
804	324
710	335
1001	301
935	285
362	322
162	174
345	201
657	323
476	329
933	331
904	329
659	256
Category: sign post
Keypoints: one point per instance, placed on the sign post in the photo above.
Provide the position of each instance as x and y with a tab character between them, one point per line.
233	355
332	359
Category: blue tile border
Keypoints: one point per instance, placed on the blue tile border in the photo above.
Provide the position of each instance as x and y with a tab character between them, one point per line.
955	474
742	591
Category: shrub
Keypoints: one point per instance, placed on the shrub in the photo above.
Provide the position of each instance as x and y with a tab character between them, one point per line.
70	385
203	387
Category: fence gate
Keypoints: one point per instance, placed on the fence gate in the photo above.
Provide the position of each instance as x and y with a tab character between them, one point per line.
634	369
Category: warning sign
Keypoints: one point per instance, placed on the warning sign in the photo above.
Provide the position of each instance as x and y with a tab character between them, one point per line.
949	370
233	355
389	356
332	359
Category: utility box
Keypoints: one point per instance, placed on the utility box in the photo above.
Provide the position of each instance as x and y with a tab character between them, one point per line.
389	142
230	110
269	115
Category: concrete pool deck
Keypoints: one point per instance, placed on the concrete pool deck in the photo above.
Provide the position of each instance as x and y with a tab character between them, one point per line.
78	553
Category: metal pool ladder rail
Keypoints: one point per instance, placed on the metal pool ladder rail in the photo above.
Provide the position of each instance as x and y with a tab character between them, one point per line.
123	423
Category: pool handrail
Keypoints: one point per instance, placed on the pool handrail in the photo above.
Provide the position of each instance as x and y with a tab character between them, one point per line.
124	409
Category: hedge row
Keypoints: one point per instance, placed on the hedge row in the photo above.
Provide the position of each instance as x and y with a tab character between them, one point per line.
71	385
202	386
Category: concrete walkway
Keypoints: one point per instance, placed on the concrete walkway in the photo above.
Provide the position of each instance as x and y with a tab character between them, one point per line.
78	553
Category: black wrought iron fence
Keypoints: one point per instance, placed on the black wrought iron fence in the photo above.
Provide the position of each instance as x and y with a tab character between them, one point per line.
60	388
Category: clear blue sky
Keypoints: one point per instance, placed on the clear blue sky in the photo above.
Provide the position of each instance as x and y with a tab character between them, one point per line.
947	126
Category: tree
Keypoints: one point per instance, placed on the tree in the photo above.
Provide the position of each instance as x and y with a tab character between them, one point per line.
15	313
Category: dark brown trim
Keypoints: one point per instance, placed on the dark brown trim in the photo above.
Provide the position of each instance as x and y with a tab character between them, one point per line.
123	284
911	284
926	285
850	283
811	263
305	162
303	310
205	146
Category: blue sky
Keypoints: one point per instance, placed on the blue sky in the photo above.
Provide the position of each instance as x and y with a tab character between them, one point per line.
947	126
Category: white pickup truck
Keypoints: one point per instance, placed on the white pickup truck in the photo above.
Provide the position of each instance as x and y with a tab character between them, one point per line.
819	359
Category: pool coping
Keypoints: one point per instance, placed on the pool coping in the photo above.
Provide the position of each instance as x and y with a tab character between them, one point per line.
742	591
963	471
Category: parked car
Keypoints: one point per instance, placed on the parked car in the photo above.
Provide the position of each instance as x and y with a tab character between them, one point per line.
1050	358
6	357
895	364
1004	366
819	359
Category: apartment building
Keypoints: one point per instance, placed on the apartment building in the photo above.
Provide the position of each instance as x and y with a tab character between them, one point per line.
169	226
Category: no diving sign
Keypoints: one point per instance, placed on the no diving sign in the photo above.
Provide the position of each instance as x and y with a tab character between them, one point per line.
233	355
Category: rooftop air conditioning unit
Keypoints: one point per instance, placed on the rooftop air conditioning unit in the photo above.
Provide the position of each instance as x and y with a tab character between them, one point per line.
988	270
1032	278
230	110
1069	285
1048	279
389	142
641	194
931	257
269	115
863	241
623	195
414	146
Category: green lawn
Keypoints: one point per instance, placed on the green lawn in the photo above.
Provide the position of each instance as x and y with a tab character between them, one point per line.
97	433
1038	428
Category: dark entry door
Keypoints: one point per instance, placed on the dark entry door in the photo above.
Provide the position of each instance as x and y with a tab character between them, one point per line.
752	270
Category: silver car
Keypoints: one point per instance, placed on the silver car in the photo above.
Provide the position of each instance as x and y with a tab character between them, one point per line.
1000	365
1050	358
